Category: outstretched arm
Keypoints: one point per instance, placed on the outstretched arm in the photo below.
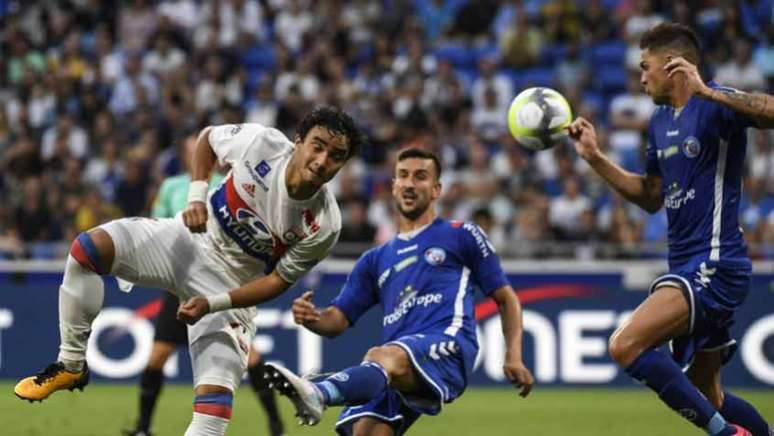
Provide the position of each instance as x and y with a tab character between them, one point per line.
759	107
644	191
329	322
510	317
255	292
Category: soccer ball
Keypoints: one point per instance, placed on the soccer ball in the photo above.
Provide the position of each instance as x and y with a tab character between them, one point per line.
537	118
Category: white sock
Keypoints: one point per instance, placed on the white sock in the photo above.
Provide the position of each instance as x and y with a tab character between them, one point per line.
80	300
206	425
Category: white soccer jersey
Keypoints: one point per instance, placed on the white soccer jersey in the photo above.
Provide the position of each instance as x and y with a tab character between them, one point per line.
254	225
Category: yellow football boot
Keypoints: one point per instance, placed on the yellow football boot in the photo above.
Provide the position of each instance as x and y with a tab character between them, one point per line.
53	378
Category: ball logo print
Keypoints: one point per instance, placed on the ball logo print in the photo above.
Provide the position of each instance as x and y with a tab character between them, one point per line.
538	117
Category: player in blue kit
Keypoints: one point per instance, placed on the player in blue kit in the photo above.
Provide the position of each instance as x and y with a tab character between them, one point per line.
424	281
694	164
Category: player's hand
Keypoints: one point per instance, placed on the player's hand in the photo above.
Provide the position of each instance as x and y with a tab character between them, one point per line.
193	310
518	375
691	77
304	310
585	139
195	216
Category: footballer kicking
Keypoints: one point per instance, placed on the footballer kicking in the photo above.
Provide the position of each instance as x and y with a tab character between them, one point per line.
694	166
269	222
169	332
424	280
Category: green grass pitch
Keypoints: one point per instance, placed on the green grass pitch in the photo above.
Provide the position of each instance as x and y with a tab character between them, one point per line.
105	409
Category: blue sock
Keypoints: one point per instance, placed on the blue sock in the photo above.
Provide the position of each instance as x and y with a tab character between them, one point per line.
742	413
663	375
354	385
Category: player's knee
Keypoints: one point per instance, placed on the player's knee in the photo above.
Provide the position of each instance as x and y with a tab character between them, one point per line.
160	354
623	349
371	427
393	359
93	251
215	402
713	393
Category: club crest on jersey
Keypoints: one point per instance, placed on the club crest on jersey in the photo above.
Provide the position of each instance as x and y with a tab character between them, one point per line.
691	147
262	168
435	256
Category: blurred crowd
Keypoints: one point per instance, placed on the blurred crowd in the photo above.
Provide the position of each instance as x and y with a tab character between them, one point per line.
97	98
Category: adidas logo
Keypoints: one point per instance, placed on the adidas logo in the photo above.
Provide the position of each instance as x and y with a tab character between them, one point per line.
249	188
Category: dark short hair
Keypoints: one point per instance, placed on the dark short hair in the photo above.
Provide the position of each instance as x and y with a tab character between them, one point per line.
676	36
336	121
421	153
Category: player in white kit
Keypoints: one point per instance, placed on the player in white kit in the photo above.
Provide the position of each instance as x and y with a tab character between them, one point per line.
270	221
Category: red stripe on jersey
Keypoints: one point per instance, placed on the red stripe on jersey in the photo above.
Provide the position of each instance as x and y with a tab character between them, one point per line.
233	200
219	410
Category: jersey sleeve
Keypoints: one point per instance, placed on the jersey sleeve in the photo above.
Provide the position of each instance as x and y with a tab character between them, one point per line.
481	259
303	256
231	141
161	205
359	292
651	154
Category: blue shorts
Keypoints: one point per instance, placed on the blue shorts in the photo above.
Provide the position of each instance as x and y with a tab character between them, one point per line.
441	361
713	291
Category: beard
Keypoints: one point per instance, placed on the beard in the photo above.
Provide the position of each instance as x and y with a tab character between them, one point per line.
414	213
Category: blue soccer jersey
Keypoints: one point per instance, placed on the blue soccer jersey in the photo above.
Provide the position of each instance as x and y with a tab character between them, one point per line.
699	154
424	284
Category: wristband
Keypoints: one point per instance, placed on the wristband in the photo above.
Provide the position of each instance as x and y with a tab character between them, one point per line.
219	302
197	191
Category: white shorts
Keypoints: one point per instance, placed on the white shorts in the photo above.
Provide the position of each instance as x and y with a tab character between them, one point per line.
163	253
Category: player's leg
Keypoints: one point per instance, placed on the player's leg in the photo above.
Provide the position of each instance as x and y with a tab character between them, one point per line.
387	414
372	427
382	366
256	371
665	314
705	375
80	300
151	381
218	360
170	334
354	385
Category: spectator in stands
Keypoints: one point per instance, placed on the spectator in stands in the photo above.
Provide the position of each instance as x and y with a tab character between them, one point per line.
739	71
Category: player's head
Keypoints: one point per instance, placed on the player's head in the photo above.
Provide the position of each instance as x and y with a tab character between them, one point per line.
416	184
659	45
325	139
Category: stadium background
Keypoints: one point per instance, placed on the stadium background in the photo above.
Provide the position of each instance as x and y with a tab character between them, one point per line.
96	96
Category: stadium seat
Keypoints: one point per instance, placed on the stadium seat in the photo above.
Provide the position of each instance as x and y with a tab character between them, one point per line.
551	53
257	57
538	77
610	79
459	55
608	53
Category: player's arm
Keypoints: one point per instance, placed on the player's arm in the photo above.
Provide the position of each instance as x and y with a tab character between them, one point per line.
254	292
195	214
643	190
329	322
759	107
510	316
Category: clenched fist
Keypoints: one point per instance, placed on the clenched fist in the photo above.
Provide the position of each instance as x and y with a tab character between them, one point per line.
195	216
